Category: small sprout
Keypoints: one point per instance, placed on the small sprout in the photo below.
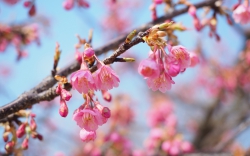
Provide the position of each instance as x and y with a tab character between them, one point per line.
130	36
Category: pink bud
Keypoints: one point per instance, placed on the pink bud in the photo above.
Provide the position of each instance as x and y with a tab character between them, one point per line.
197	24
89	52
153	11
87	135
63	110
186	147
78	57
158	1
6	136
68	4
32	115
27	4
59	89
32	10
25	144
66	95
106	96
39	137
32	124
9	146
106	112
83	3
21	130
229	20
194	59
192	11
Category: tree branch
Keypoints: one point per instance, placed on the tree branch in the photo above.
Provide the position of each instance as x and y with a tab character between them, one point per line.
45	91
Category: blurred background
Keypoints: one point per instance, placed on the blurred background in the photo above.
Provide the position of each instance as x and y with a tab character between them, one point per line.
212	86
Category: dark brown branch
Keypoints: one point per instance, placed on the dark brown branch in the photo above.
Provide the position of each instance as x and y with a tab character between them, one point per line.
44	91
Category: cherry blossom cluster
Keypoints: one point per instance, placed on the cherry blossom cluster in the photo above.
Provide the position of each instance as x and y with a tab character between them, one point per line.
163	136
119	17
218	77
29	4
113	140
90	114
69	4
26	128
19	36
159	68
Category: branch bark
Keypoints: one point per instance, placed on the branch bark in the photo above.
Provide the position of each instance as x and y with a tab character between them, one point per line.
45	91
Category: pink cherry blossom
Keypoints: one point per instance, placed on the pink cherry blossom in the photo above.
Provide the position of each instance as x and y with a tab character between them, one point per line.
162	83
105	78
88	119
21	130
87	135
149	68
194	59
82	81
68	4
106	96
172	66
66	95
181	54
89	52
158	1
192	11
25	143
242	14
63	110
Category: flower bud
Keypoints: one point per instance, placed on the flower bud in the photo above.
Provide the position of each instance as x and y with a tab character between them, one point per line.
32	10
66	95
32	115
88	52
21	130
32	124
39	137
87	135
27	4
106	96
25	144
192	11
58	89
6	136
9	146
78	56
106	112
68	4
63	110
194	59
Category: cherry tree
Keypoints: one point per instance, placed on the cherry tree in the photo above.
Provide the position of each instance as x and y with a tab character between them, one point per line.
175	85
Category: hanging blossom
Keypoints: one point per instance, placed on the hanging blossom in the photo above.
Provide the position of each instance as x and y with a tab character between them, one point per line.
90	115
159	68
241	13
104	78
